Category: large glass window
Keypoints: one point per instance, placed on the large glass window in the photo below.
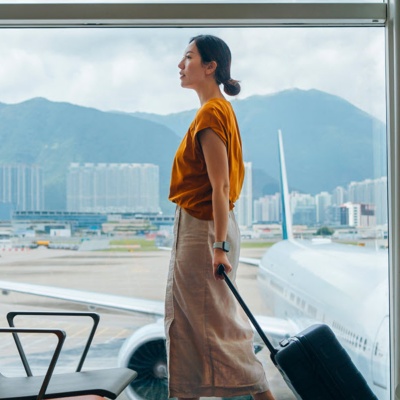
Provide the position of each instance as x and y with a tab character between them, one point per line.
89	123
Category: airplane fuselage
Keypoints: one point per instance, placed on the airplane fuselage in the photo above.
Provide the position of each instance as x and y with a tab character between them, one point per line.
343	286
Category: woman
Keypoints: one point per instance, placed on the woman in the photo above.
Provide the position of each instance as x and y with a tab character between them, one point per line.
209	339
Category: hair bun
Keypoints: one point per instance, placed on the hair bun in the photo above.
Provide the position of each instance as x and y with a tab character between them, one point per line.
232	87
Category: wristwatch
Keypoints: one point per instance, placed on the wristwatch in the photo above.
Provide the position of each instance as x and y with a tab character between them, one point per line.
221	245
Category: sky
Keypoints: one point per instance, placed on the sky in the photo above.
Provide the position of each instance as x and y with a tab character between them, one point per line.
132	69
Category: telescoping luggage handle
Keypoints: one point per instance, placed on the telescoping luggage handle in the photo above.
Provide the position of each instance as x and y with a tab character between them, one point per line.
271	348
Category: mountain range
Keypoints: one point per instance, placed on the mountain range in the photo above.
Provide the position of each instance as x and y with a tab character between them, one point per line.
328	141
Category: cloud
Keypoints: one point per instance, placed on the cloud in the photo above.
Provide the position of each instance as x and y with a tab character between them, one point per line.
347	62
133	69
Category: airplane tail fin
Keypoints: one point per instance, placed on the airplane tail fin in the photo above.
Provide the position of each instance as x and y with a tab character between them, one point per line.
287	232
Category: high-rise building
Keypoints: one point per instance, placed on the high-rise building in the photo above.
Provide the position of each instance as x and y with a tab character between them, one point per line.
339	196
21	187
267	208
303	209
113	188
373	192
244	206
323	201
358	215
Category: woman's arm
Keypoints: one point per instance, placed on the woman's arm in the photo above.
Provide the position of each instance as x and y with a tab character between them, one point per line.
216	159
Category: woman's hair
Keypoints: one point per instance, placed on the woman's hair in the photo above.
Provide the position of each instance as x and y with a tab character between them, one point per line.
212	48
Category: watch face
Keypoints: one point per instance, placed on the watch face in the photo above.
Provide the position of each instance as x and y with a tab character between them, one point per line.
222	245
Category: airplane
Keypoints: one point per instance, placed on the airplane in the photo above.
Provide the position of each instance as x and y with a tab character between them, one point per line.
344	286
304	282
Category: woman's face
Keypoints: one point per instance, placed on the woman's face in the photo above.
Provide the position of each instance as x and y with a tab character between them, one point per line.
192	71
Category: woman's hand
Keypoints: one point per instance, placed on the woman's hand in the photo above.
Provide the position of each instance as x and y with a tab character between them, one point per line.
220	257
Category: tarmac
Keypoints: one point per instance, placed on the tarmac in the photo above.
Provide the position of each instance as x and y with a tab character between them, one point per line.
133	274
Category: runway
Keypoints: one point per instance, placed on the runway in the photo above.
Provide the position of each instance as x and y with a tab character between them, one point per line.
132	274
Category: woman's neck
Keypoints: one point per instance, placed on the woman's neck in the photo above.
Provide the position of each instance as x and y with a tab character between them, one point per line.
209	92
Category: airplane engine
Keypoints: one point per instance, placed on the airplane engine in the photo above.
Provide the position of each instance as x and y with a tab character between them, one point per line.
145	353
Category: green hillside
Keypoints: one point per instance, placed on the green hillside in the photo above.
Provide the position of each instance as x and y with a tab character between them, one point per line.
328	141
55	134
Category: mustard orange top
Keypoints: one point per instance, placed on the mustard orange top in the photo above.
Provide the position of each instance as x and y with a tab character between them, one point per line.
190	186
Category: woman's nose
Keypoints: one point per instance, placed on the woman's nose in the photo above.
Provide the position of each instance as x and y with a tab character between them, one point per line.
180	65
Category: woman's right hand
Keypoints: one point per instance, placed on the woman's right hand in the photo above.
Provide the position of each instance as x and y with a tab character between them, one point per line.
220	257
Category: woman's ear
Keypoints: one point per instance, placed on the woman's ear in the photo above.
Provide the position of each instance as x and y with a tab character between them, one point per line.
211	67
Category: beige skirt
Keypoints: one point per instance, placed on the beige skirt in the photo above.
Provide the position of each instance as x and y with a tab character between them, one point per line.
209	338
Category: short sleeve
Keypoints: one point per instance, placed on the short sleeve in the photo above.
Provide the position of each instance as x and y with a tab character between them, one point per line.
190	185
211	116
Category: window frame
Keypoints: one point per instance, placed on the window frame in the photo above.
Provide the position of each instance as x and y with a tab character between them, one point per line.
192	14
199	14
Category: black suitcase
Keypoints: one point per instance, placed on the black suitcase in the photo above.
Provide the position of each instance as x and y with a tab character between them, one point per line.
313	363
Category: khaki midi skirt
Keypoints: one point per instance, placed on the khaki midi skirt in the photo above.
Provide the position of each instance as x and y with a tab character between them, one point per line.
209	338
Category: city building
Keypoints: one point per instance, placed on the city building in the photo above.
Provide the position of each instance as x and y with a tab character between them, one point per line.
339	196
108	188
358	215
323	201
303	209
368	197
373	192
244	206
44	221
21	188
333	212
267	208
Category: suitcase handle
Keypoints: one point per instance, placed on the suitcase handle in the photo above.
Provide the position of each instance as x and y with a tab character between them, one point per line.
271	348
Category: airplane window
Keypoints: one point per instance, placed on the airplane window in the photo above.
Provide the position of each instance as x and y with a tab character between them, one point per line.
89	124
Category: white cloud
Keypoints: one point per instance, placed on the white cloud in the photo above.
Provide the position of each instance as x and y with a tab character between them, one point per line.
136	69
346	62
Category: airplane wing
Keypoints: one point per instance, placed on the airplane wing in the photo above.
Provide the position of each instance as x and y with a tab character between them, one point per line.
276	329
250	261
123	303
